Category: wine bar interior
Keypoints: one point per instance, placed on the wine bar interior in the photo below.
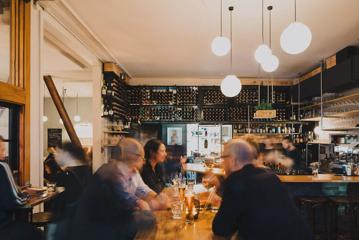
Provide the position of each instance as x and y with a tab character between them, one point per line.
179	119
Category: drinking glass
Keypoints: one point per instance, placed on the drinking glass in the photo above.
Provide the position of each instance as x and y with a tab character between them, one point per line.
176	208
189	203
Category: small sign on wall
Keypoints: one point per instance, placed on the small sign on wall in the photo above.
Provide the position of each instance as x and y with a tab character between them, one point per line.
265	114
54	137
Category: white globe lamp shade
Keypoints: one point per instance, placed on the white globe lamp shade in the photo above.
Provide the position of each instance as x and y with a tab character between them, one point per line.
231	86
295	38
45	118
270	64
317	131
221	46
61	122
77	118
262	53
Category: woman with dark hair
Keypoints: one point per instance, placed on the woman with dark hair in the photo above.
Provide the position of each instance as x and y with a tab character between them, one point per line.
153	170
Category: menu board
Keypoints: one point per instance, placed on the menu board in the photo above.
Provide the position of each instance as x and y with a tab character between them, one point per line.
54	137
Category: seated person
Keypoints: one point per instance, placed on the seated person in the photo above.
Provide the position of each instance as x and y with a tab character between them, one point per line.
74	176
255	203
10	230
292	152
153	171
108	207
51	168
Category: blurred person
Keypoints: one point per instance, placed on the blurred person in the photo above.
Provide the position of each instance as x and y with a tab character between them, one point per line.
10	230
109	206
51	168
255	203
153	172
292	152
136	185
74	176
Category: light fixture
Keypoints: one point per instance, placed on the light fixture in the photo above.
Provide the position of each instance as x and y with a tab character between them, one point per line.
220	45
45	118
271	62
263	51
77	117
318	131
61	122
297	37
231	86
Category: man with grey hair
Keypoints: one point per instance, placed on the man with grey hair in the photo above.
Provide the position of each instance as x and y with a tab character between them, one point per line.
255	203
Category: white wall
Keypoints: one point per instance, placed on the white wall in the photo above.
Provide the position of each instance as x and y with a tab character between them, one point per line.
84	110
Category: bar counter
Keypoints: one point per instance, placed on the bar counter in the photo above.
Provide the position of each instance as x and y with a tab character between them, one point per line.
321	178
168	228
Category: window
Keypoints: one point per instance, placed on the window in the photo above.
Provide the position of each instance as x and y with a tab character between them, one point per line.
9	130
5	40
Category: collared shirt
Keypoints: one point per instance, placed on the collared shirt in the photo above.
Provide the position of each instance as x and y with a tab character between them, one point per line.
133	182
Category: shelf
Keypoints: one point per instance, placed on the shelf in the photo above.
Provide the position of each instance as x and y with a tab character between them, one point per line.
346	114
341	129
266	134
334	101
116	132
317	119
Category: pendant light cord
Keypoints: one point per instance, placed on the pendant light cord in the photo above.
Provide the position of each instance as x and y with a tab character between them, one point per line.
270	26
295	10
230	10
221	30
263	21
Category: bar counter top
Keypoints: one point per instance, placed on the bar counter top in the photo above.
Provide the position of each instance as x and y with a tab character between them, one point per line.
170	229
321	178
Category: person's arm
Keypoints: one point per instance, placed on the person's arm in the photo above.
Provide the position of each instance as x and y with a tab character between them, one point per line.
7	198
226	220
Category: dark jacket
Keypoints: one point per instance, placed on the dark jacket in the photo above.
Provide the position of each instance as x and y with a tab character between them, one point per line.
154	179
105	210
74	179
257	205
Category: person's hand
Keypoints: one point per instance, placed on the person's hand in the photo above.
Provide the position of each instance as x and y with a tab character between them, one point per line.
211	180
143	205
183	160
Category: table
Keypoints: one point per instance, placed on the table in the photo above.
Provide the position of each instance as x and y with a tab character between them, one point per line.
24	212
321	178
168	228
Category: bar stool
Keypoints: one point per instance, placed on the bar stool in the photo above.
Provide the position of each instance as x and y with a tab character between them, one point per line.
311	205
41	219
351	205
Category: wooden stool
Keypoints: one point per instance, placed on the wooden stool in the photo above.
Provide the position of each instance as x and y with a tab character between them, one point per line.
311	204
351	204
41	219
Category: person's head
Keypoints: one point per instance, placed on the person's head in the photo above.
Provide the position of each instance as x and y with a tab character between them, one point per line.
236	154
253	141
155	151
130	152
69	154
2	149
268	143
287	142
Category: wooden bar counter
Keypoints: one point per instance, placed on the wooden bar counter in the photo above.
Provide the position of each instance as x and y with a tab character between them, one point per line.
321	178
170	229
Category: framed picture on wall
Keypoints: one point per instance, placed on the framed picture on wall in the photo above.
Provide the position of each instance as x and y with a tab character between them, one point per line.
174	136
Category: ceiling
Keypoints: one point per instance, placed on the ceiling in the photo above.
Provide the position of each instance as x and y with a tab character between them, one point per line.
56	62
171	38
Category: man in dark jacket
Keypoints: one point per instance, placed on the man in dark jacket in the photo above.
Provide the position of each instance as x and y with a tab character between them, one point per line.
255	203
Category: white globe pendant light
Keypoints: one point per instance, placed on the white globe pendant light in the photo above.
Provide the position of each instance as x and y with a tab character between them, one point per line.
295	38
221	46
270	64
262	53
45	118
77	118
231	86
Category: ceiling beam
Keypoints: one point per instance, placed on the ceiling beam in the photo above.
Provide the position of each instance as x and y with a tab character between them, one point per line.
71	76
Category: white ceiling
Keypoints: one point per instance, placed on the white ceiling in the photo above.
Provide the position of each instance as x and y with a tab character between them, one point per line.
171	38
54	63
